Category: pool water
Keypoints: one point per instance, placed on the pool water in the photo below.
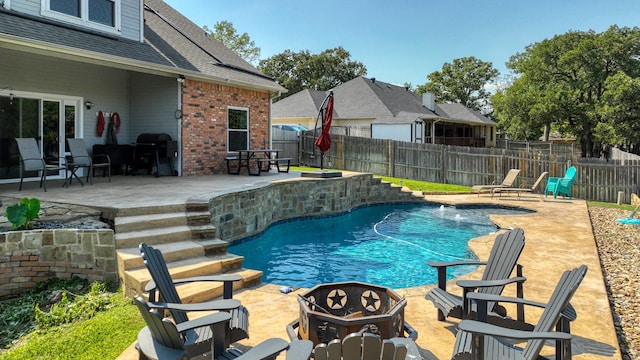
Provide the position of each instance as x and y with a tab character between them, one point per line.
387	245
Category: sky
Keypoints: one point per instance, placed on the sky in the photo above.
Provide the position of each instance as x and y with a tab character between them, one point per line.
402	41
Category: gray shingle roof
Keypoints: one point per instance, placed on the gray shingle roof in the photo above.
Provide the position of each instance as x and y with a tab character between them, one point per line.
384	103
171	40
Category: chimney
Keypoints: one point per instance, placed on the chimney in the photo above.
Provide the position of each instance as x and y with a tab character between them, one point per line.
373	80
429	101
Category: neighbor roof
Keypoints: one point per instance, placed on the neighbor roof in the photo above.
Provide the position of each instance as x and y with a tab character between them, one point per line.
172	44
384	103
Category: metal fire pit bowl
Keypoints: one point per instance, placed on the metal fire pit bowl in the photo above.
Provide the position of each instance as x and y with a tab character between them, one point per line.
335	310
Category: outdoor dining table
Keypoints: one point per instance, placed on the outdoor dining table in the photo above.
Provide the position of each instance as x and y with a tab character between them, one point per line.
262	159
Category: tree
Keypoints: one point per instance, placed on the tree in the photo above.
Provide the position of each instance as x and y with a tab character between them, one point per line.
574	84
462	81
242	45
303	70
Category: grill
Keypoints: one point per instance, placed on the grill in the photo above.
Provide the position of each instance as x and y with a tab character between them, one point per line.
150	149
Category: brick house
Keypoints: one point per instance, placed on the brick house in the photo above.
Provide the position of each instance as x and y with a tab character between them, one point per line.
67	67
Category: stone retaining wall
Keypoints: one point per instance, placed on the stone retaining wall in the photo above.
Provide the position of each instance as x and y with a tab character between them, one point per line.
28	257
245	213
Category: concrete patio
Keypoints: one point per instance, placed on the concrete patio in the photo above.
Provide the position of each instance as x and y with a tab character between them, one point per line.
558	237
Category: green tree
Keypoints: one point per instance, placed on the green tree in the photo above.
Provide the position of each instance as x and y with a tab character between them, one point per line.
565	81
241	44
297	71
462	81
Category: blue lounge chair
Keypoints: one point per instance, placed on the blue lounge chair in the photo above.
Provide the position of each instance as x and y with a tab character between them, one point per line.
561	186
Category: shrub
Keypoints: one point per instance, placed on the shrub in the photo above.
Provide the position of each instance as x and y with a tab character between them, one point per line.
22	214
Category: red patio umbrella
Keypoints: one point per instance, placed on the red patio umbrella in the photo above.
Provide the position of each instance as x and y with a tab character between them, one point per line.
323	142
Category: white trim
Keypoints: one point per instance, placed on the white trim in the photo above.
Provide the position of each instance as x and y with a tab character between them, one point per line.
247	130
83	20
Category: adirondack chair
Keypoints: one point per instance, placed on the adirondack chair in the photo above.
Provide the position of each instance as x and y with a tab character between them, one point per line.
498	268
31	160
487	341
561	186
367	346
162	339
508	181
238	328
520	190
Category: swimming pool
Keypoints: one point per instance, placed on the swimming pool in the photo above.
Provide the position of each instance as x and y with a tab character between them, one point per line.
387	245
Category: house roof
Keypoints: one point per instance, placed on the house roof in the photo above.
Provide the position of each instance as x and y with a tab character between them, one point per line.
172	45
305	103
384	103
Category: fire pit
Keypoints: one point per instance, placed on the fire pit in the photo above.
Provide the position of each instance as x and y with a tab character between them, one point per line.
332	311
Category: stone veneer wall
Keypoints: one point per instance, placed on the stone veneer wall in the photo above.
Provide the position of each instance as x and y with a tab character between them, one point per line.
28	257
249	212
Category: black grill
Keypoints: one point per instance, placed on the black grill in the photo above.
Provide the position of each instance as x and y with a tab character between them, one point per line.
150	149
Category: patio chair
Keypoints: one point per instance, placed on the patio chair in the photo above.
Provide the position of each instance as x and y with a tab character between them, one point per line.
486	341
238	326
82	159
498	268
32	160
561	186
507	182
366	346
163	339
520	190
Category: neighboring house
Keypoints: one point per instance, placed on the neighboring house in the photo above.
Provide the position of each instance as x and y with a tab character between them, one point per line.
64	62
371	108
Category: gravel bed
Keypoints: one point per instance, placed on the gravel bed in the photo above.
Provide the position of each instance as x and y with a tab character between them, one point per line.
619	250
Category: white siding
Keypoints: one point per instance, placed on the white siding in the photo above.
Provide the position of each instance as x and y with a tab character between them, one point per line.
393	132
106	88
129	12
31	7
154	101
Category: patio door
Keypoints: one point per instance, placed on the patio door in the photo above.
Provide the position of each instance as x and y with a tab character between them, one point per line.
50	120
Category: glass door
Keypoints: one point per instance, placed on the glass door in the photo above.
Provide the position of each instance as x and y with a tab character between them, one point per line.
49	120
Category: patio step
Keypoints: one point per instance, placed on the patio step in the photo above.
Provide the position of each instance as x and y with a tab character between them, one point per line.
189	245
135	279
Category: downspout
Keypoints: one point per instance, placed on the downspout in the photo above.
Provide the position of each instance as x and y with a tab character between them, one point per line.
179	159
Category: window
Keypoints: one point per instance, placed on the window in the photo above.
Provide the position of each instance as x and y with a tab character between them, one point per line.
238	125
99	14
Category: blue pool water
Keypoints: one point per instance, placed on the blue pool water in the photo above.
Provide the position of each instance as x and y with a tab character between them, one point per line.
388	245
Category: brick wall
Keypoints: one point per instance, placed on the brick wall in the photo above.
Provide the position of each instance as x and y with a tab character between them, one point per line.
204	124
28	257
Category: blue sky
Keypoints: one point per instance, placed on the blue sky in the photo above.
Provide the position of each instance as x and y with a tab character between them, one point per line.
405	40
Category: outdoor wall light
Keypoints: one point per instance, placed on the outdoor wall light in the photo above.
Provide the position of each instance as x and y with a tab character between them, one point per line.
88	104
180	78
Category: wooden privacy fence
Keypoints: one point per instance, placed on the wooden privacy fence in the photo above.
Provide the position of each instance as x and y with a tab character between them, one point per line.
597	179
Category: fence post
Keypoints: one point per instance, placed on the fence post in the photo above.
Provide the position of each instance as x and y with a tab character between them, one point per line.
443	170
391	172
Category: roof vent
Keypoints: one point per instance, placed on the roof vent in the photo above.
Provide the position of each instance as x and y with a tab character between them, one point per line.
373	80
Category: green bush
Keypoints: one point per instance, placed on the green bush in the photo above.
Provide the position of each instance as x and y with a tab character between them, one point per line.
22	214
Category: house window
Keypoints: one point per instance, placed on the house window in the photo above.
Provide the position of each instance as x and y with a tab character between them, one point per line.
99	14
238	125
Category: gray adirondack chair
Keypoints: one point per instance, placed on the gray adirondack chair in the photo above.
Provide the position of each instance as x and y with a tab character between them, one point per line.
367	346
498	268
481	340
32	160
162	282
162	339
82	159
